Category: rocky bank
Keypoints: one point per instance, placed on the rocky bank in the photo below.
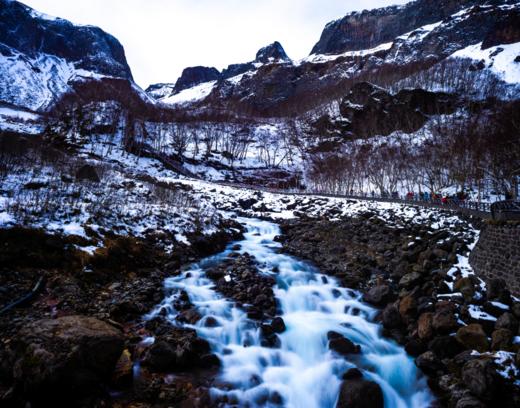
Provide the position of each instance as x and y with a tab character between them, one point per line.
461	331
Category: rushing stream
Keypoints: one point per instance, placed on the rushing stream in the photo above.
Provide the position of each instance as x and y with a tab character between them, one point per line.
302	372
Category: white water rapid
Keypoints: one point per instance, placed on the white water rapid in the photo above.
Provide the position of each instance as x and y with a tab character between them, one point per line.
303	372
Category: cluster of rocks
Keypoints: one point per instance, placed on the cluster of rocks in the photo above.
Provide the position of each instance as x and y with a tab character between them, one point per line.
458	348
460	331
356	250
239	279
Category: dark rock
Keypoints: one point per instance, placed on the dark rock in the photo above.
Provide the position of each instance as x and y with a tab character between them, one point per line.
178	350
466	287
425	326
352	374
480	377
360	393
342	345
444	322
85	46
415	347
429	363
445	346
408	308
497	290
87	173
391	317
359	31
473	337
501	339
469	401
278	325
507	321
66	358
410	280
379	295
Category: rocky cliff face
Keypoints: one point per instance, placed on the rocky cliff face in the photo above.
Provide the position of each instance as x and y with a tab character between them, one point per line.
272	53
367	29
196	75
267	89
43	58
87	47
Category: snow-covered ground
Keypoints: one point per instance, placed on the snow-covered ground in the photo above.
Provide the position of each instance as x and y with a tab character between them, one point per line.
190	95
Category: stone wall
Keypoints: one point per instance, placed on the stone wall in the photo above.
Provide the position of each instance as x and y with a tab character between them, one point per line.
497	254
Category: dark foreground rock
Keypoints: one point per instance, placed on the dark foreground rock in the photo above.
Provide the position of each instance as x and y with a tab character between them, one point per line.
65	359
360	393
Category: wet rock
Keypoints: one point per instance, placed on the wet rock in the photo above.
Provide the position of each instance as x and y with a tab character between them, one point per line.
415	347
341	345
360	393
278	325
501	339
480	377
66	358
352	374
473	337
379	295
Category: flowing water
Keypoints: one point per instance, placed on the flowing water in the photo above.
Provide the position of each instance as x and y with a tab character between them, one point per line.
302	373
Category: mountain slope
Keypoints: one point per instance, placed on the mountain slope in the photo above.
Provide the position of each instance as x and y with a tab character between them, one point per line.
416	38
42	57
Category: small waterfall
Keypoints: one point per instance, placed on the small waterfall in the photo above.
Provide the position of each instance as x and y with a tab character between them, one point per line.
303	372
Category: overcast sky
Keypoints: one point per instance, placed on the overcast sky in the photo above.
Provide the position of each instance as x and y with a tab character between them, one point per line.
162	37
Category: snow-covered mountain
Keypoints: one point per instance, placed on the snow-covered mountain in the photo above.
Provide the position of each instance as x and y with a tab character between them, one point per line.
197	83
44	58
383	46
392	79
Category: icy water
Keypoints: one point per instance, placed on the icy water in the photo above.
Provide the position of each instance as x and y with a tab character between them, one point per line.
302	372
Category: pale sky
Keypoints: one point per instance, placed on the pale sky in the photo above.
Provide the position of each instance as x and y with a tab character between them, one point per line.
162	37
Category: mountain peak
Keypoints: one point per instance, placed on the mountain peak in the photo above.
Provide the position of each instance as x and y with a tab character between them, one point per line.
272	52
193	76
370	28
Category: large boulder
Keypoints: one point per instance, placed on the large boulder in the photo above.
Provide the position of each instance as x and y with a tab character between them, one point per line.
341	344
444	322
473	337
66	358
480	376
379	295
360	393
